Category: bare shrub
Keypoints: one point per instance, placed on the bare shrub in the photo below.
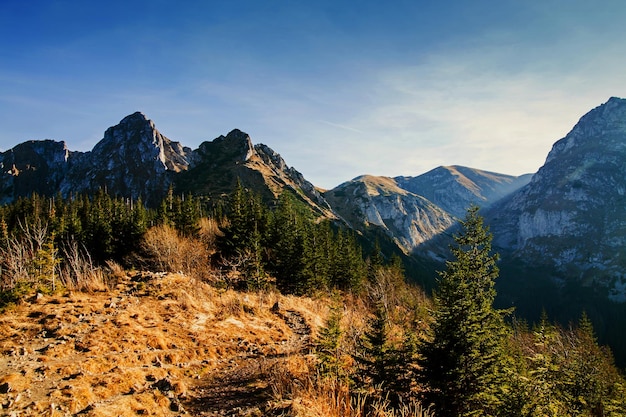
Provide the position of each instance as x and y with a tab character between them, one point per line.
230	304
29	261
78	272
165	250
16	260
208	233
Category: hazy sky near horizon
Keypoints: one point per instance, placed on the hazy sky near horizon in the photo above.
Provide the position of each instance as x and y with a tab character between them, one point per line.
338	88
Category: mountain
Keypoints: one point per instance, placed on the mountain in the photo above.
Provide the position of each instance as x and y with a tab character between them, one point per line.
571	215
135	160
561	233
415	210
455	188
217	165
409	219
33	166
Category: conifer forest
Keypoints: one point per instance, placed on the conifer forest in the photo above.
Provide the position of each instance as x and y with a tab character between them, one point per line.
449	353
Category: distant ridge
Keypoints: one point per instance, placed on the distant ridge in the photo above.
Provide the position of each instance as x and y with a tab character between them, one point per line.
454	188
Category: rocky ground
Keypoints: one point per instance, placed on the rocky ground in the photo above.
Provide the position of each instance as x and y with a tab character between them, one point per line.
155	345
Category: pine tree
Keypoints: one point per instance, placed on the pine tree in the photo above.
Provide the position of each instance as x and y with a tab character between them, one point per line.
245	234
374	356
381	367
328	345
349	269
45	265
287	243
463	363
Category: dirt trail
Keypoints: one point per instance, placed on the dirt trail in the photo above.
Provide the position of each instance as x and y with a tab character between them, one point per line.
241	387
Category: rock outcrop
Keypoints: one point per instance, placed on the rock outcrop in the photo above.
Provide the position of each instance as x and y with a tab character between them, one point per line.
572	216
33	166
132	160
407	218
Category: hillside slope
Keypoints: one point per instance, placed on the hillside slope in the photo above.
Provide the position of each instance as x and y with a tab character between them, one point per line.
156	345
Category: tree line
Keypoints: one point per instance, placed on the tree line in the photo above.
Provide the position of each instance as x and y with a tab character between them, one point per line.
284	246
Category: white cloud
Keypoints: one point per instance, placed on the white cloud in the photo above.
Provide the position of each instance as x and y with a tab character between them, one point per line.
486	107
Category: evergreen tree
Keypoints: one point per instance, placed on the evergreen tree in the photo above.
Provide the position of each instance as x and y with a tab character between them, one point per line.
328	344
98	232
545	377
315	258
244	236
189	215
374	261
45	264
287	243
463	363
380	360
349	269
374	356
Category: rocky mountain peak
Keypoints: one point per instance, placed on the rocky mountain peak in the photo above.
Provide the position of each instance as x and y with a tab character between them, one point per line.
571	215
133	158
607	121
236	147
136	140
134	118
239	142
408	219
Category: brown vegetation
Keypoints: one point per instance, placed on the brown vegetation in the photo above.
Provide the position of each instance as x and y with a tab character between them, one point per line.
144	347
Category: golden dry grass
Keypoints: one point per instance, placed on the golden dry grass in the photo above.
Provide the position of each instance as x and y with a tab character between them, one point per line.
141	348
167	344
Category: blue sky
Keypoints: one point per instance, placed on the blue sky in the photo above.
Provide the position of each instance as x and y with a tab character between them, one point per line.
338	88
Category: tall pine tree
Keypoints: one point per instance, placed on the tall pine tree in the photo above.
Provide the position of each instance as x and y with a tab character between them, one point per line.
463	362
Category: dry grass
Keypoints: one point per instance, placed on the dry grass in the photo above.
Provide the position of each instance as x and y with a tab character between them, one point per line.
104	353
299	390
78	272
154	343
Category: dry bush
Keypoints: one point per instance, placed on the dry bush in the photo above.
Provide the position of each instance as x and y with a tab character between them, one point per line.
116	271
312	396
78	273
16	260
28	262
165	250
208	233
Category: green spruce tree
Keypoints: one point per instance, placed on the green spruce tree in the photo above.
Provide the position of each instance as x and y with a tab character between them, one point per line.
329	342
462	365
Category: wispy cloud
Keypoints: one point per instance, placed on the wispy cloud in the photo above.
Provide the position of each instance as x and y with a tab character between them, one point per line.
343	127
